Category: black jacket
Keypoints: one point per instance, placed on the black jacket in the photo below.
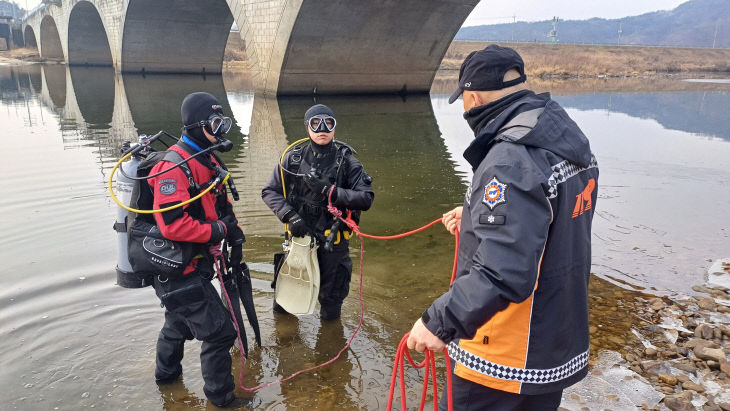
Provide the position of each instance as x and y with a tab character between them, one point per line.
516	317
354	190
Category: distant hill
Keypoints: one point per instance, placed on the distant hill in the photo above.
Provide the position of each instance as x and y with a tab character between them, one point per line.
696	23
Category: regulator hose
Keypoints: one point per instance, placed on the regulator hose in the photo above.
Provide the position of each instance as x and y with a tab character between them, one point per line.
218	180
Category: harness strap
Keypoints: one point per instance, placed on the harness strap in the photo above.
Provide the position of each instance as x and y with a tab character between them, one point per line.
174	157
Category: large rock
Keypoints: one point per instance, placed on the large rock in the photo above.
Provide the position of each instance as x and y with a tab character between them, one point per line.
725	367
689	385
710	354
704	331
679	402
706	303
668	379
699	342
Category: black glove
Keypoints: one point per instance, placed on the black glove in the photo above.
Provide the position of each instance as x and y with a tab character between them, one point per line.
235	236
297	227
231	224
236	256
317	183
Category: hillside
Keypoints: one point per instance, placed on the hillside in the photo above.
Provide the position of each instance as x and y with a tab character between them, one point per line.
696	23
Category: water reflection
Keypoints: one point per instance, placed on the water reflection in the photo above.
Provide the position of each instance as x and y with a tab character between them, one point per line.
94	94
697	112
58	281
54	90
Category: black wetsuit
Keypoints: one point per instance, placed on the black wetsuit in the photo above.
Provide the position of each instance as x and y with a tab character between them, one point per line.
354	192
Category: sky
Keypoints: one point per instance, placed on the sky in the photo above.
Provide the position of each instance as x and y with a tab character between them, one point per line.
501	11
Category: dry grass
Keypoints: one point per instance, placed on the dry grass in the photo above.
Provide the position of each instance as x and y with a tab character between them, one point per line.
569	60
26	54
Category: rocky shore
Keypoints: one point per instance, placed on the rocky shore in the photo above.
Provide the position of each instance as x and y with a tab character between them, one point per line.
658	353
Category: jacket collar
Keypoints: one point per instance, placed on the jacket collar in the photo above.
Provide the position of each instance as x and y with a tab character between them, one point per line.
487	120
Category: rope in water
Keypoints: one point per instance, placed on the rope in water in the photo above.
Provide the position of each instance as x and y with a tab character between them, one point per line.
353	226
429	361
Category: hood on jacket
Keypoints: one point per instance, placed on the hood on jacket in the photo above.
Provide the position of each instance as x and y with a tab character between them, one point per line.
551	128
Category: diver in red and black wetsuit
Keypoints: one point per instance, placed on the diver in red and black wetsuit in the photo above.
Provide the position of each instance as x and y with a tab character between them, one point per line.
192	306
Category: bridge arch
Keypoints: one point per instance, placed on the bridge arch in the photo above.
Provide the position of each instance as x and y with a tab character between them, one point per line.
50	40
374	46
87	40
29	38
175	36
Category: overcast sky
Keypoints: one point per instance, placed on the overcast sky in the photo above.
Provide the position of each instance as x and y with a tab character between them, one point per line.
501	11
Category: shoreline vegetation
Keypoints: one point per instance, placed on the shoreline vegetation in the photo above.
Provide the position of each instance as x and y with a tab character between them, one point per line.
542	60
547	60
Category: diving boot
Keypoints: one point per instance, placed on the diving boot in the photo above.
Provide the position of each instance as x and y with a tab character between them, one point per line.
330	312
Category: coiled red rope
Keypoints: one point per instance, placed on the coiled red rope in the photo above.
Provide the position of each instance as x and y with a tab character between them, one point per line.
429	362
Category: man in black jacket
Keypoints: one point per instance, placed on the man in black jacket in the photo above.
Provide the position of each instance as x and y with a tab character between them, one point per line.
515	320
329	170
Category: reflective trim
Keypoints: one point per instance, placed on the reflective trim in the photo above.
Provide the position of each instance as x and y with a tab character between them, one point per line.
563	171
523	375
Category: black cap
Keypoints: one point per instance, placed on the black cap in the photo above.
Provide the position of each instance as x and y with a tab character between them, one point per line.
485	69
315	110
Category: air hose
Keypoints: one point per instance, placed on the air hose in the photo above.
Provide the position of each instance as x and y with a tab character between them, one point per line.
218	180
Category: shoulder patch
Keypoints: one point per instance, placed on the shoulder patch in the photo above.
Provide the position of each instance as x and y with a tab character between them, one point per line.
168	188
494	193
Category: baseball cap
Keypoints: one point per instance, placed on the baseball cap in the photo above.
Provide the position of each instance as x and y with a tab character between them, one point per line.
485	69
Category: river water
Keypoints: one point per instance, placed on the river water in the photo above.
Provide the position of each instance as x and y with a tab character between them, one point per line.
73	339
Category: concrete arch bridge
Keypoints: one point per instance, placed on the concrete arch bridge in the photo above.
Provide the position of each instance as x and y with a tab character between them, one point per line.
293	46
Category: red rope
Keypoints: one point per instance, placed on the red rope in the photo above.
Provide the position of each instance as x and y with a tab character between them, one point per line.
222	268
402	351
353	226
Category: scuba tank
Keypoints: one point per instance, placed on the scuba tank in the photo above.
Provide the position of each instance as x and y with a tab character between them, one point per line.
125	186
137	262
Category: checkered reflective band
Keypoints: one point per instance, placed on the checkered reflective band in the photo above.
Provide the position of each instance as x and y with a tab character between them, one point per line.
523	375
563	171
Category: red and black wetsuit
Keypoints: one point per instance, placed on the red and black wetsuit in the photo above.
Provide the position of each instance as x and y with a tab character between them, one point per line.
200	314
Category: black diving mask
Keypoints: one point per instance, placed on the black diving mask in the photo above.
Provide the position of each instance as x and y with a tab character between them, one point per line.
219	125
322	123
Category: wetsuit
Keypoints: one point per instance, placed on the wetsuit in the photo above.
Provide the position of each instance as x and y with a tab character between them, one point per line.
354	192
192	306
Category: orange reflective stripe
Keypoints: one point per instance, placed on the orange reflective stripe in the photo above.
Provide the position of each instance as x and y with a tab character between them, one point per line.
508	334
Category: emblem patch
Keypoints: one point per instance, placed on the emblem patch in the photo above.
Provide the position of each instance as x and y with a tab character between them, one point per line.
492	219
494	193
168	189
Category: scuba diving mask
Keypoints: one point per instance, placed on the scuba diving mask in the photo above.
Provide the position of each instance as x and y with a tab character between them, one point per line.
219	125
216	124
322	123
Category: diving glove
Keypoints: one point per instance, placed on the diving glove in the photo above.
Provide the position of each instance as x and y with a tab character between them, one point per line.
236	256
297	227
231	224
